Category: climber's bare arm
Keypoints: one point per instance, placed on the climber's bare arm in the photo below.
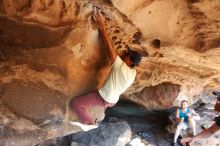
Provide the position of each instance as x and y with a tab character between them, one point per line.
204	134
100	21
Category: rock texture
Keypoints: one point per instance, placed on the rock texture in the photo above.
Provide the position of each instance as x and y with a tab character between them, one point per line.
51	51
107	134
111	134
186	23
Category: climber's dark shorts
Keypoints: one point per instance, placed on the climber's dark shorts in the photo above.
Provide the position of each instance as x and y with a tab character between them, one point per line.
90	108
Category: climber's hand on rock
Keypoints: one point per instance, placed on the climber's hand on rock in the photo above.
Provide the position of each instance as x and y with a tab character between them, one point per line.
99	18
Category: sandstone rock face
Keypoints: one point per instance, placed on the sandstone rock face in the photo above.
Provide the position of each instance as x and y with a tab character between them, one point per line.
187	23
184	72
51	51
111	134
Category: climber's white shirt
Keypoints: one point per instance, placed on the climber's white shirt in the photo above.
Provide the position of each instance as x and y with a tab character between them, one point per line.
119	79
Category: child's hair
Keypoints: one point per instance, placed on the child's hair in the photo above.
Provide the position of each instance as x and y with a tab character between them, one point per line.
183	101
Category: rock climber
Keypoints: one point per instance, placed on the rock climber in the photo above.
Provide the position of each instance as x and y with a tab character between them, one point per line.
90	108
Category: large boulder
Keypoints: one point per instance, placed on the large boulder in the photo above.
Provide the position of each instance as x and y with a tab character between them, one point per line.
107	134
51	51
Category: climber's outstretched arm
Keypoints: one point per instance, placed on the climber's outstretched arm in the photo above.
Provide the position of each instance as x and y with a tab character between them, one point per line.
204	134
100	21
